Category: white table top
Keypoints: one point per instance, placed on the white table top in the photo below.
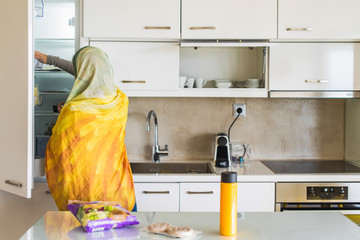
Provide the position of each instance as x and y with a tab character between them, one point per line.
251	226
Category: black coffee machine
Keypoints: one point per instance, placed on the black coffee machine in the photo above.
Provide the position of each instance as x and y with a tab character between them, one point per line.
222	151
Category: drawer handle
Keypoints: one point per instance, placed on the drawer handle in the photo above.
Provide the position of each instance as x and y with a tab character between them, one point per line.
133	81
202	28
299	29
316	81
12	183
208	192
157	28
156	192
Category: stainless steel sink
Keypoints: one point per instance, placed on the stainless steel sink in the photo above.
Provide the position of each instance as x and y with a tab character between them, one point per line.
171	168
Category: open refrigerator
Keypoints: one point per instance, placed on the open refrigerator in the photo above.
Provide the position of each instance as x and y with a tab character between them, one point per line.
55	33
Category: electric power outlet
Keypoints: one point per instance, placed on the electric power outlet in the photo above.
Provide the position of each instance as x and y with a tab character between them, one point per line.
236	106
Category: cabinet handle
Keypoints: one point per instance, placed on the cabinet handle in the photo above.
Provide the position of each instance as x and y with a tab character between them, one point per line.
133	81
299	29
156	192
202	28
208	192
16	184
157	28
316	81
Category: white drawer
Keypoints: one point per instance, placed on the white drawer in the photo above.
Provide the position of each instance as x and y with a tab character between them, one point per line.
256	197
157	197
199	197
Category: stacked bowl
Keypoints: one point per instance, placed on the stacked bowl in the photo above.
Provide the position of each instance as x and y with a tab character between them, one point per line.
222	83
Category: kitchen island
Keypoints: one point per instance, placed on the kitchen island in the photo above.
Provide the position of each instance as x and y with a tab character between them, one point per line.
251	226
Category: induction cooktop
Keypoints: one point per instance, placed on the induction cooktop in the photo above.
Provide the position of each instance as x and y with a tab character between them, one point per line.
311	166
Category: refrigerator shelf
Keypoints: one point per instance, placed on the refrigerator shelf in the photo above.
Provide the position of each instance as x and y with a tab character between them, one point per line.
53	92
46	114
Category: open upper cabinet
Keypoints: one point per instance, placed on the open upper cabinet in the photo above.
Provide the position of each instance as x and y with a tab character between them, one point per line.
155	69
230	69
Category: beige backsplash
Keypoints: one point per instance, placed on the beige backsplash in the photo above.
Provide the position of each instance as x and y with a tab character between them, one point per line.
275	128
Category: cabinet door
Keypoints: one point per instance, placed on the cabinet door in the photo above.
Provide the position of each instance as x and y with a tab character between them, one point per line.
157	197
199	197
229	19
16	94
314	66
256	197
159	19
143	65
319	19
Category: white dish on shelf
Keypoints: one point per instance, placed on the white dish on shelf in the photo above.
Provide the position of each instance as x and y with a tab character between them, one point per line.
238	83
222	83
253	80
252	83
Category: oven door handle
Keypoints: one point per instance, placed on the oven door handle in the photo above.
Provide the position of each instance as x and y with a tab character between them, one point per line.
343	207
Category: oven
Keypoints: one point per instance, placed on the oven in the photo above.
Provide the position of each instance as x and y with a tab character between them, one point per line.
318	196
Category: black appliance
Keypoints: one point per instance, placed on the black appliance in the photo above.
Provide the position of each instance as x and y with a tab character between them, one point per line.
222	151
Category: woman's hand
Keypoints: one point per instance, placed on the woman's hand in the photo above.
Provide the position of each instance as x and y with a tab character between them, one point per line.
60	106
41	57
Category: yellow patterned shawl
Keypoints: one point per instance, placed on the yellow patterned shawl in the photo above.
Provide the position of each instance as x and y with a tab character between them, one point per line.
86	157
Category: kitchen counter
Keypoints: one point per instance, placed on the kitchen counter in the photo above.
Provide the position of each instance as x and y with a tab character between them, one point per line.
254	172
251	226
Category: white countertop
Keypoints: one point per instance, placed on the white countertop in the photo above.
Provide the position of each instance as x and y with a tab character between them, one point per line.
251	226
254	172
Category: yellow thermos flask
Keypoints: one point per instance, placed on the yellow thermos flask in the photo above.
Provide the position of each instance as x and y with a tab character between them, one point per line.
228	204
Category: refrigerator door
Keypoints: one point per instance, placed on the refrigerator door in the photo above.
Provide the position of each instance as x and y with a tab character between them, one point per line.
16	98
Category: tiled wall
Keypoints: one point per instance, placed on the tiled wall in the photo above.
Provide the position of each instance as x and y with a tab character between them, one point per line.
275	128
352	130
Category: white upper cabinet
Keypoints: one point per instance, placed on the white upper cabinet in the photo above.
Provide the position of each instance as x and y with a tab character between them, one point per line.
131	19
314	66
143	65
16	149
229	19
319	19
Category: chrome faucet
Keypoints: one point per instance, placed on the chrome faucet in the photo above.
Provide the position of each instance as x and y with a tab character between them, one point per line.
156	150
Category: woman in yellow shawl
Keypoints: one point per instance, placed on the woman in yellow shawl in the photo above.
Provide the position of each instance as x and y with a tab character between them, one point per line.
86	157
